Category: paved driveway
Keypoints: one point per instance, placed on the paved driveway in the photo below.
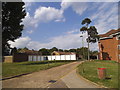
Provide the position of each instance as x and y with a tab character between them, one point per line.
58	77
72	80
41	79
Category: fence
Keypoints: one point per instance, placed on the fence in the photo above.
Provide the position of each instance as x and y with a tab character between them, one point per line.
52	57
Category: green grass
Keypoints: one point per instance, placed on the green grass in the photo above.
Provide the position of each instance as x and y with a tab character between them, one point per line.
89	71
12	69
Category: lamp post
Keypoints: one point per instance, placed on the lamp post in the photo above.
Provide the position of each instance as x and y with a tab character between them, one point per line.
82	45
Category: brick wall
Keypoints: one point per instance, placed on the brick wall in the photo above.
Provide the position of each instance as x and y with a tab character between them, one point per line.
109	49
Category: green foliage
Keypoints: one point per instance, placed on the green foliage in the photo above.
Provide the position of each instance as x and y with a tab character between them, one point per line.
83	29
53	49
25	48
83	52
61	50
14	50
92	31
12	15
44	51
22	49
92	53
66	50
79	51
72	50
86	21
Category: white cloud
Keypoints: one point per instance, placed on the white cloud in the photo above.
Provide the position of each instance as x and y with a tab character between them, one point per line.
66	41
73	31
106	17
20	42
43	15
78	7
30	31
28	4
65	4
46	14
27	20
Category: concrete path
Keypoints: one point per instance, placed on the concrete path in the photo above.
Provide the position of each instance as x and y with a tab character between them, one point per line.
72	80
41	79
58	84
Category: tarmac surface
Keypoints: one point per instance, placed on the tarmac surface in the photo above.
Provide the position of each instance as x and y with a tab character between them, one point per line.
41	79
72	80
64	76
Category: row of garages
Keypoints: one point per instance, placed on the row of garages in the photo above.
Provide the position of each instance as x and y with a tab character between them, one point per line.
52	57
25	57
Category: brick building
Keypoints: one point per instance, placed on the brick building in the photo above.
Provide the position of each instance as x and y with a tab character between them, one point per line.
109	46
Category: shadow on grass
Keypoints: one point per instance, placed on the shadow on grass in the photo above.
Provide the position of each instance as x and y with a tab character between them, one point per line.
108	78
45	62
35	63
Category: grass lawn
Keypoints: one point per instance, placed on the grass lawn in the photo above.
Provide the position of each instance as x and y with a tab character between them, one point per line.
12	69
89	71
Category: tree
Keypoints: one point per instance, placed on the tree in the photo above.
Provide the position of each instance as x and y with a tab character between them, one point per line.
25	48
72	50
44	51
84	55
91	31
14	50
93	54
22	49
53	49
61	50
66	50
12	15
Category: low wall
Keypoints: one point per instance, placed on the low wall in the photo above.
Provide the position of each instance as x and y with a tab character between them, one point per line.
8	59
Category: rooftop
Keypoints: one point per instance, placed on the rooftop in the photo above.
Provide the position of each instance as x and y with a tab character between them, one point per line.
31	52
64	53
110	33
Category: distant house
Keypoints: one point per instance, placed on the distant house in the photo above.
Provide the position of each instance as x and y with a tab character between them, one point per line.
62	53
57	55
109	46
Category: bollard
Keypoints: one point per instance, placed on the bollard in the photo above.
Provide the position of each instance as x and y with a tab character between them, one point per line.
102	73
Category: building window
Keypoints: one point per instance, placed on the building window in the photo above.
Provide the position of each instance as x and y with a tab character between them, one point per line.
118	37
119	56
118	47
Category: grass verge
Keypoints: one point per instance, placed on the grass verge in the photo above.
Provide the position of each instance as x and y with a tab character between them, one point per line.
12	69
89	71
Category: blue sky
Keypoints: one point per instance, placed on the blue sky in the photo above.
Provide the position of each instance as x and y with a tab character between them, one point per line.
57	24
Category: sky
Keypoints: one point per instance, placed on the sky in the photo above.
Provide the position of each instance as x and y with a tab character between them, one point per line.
57	24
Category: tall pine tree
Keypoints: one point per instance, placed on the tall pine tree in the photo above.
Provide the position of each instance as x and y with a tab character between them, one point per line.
12	15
